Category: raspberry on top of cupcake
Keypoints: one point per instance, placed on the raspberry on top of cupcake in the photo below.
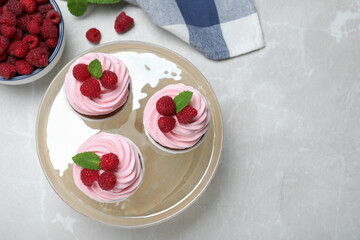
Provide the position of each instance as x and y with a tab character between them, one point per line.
177	116
108	167
97	84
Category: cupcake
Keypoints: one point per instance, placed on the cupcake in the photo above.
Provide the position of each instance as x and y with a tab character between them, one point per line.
97	85
108	167
176	118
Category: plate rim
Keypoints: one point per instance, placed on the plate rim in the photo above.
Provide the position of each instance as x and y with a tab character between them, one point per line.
140	44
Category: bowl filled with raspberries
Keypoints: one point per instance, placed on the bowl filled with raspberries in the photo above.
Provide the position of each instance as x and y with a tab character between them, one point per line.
31	39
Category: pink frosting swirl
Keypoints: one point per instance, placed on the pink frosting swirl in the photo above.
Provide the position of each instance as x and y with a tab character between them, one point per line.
109	100
129	174
183	135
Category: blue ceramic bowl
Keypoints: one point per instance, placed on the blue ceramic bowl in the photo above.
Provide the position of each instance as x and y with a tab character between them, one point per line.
54	58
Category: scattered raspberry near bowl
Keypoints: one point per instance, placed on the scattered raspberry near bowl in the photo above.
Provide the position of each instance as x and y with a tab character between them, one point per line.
123	23
29	33
93	35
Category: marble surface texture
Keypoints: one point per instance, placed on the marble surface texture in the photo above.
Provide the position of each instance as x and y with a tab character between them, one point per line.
291	158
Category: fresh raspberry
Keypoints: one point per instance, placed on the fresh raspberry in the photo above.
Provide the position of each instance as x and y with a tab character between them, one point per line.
44	46
51	42
123	23
31	40
41	1
91	88
4	43
165	106
34	27
23	21
3	57
18	34
11	59
8	18
107	180
81	72
48	29
166	124
23	67
7	70
37	17
53	16
1	11
108	79
44	8
88	176
93	35
109	162
18	48
29	5
186	114
14	6
7	31
37	57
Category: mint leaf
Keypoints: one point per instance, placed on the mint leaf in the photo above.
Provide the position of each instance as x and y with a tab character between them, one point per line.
104	1
87	160
95	69
182	100
77	7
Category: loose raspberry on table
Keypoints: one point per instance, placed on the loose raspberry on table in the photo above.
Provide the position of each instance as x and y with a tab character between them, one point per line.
18	48
34	27
44	8
89	176
91	88
107	180
37	57
48	29
51	42
8	18
81	72
108	79
186	114
7	31
7	70
23	67
4	43
123	23
18	34
31	40
109	162
3	57
166	124
165	106
29	5
14	6
53	16
93	35
23	21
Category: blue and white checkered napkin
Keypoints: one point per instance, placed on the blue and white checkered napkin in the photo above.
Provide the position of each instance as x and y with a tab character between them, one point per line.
219	29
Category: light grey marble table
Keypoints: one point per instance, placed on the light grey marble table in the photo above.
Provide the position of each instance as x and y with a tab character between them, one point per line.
291	157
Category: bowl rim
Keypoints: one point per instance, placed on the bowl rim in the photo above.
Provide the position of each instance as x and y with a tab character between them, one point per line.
53	55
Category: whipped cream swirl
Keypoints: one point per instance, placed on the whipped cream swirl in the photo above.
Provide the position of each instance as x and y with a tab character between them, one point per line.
109	100
183	136
129	173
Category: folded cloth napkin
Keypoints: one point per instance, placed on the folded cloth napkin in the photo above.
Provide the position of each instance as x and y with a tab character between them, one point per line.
219	29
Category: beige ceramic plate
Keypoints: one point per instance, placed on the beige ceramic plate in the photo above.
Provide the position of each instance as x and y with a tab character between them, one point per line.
172	181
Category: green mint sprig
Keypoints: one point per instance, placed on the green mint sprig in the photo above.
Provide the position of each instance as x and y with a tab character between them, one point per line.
95	69
87	160
79	7
182	100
